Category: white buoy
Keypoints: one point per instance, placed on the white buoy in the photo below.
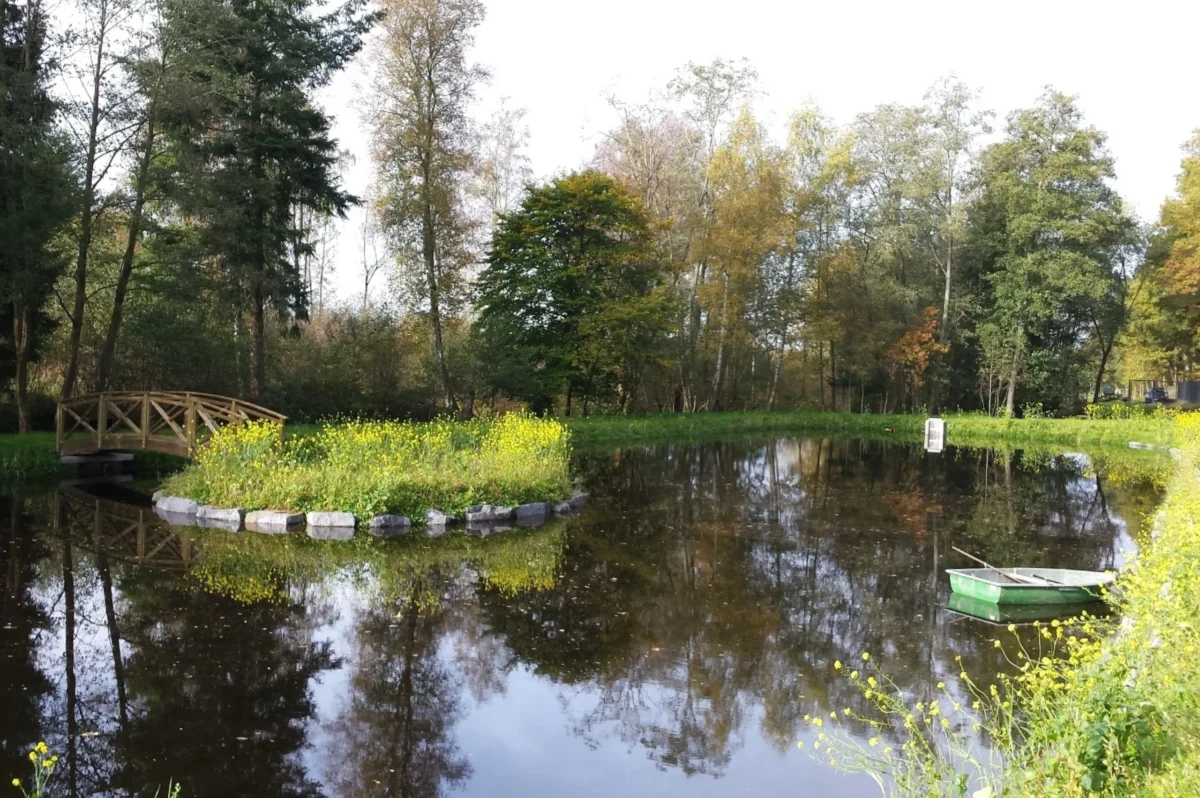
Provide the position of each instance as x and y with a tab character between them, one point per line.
935	434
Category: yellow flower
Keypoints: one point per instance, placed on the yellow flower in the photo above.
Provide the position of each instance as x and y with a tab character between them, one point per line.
16	782
874	741
866	657
837	666
800	744
854	675
33	756
871	681
818	722
41	748
941	685
995	644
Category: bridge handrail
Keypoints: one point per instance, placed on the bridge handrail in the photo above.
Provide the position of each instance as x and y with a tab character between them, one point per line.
174	396
135	419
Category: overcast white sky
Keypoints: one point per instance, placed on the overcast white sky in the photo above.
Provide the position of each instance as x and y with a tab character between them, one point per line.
1133	65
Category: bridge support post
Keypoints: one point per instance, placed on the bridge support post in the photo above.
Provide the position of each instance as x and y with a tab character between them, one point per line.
102	422
145	419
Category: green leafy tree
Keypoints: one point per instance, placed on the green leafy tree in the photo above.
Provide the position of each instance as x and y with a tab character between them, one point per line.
1052	236
36	191
249	146
423	147
571	300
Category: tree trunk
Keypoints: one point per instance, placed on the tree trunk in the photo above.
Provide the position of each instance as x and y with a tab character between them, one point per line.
435	313
1010	401
21	337
258	375
87	204
775	377
1105	351
108	353
714	403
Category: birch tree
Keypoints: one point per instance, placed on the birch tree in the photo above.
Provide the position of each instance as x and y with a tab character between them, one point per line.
423	139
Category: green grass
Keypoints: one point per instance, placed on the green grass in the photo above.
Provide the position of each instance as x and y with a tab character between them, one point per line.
962	429
30	456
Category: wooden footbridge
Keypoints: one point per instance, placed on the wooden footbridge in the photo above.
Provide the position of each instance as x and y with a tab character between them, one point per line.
152	421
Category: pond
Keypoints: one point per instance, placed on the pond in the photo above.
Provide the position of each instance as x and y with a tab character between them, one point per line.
667	641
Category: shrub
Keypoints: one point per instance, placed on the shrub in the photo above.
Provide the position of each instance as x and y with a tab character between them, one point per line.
371	467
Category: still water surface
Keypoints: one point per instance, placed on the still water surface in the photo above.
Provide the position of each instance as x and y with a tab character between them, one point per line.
668	641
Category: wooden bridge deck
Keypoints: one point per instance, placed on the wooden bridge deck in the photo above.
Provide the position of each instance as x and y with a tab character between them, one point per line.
153	421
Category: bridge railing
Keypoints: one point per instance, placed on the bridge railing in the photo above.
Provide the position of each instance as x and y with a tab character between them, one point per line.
167	422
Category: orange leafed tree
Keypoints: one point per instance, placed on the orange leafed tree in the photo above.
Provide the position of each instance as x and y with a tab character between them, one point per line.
909	357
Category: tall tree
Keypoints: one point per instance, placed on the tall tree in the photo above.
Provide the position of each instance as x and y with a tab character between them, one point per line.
423	144
571	302
1162	340
36	189
712	95
104	129
248	144
1051	232
148	66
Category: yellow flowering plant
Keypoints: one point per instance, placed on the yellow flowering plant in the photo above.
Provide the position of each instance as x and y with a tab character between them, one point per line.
372	467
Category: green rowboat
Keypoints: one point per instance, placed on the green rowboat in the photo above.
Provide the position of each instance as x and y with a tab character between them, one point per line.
1021	614
1063	586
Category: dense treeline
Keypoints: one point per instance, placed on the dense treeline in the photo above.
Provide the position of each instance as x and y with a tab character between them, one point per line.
176	226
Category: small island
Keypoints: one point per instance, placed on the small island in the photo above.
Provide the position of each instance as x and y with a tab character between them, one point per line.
383	474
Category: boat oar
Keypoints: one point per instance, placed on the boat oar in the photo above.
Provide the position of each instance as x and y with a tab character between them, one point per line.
1016	577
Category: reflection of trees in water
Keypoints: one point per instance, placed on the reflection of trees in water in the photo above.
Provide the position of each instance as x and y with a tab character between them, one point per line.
707	591
711	584
394	734
221	689
22	621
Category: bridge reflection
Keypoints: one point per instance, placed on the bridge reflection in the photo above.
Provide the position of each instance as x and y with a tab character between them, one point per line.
104	517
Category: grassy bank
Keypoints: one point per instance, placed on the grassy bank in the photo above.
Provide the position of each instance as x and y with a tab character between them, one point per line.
367	468
29	456
1122	717
965	429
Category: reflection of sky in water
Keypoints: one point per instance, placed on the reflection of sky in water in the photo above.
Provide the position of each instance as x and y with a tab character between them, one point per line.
696	610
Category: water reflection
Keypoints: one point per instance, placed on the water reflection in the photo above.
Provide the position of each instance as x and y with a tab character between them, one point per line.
668	641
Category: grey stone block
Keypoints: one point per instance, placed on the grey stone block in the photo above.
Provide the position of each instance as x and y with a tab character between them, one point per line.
331	532
273	522
578	501
158	494
490	513
225	515
563	508
436	518
175	505
331	519
533	510
388	526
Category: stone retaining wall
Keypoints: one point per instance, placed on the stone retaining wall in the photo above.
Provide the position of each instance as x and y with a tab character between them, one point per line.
482	519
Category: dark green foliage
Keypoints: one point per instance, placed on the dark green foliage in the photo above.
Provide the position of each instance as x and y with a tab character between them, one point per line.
247	147
570	302
36	193
1049	234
